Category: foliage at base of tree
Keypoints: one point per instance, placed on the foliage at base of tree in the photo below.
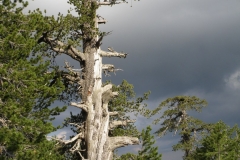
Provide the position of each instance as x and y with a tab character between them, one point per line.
126	102
147	151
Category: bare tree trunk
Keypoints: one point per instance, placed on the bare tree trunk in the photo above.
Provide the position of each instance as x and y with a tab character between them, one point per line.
93	133
99	145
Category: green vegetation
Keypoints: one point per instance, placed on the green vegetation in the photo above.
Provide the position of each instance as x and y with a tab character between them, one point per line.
147	151
222	143
26	94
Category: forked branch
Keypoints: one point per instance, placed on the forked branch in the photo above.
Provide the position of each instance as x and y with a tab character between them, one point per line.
60	47
79	105
61	140
109	68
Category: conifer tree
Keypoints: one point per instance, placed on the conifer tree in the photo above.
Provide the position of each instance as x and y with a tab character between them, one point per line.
222	143
25	91
148	151
176	119
126	103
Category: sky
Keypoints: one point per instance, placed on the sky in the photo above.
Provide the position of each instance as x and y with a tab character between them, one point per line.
176	47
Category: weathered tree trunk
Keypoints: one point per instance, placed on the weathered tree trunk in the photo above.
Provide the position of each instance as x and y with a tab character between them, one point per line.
99	145
93	142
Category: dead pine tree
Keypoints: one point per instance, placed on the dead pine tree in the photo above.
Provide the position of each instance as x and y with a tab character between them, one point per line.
92	141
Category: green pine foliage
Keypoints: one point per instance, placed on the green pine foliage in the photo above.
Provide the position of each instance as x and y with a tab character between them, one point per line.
125	103
175	118
25	91
147	151
222	143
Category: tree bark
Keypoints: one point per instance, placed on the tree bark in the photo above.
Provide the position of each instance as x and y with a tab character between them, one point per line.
99	145
94	97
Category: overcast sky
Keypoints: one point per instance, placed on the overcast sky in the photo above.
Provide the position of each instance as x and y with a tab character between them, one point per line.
176	47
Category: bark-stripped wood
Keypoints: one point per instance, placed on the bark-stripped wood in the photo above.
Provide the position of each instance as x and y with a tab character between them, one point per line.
112	54
94	97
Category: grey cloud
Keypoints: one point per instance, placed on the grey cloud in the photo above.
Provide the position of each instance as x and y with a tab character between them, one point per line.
195	45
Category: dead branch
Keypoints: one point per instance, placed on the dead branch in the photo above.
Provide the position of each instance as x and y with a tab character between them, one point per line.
77	148
115	94
120	141
107	96
4	122
79	127
101	20
60	47
71	78
99	41
60	140
112	53
165	130
69	68
106	88
107	93
109	2
109	68
183	115
79	105
113	113
114	124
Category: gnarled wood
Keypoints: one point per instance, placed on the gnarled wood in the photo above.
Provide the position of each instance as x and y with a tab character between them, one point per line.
94	97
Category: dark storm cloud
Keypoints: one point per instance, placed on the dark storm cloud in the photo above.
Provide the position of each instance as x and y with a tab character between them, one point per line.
179	48
187	44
